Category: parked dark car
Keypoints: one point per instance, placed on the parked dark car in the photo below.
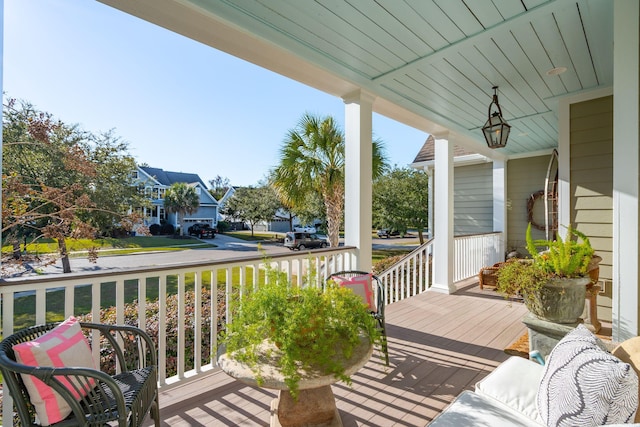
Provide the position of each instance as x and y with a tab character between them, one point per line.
202	231
387	233
301	241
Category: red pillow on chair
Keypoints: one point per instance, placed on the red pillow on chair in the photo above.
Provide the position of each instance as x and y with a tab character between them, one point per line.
360	285
63	346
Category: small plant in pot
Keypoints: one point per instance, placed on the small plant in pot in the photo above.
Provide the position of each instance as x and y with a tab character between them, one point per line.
553	281
313	328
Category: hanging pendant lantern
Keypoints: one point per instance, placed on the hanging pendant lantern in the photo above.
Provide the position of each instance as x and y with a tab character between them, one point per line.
496	129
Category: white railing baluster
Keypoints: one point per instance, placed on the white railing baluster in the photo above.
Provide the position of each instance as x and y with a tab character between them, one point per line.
142	301
120	302
214	315
69	298
180	362
41	307
162	329
197	313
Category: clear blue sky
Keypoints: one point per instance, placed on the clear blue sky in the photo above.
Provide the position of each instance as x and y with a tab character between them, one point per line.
180	105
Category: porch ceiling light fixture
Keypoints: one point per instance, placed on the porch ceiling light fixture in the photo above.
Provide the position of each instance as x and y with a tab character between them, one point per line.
496	130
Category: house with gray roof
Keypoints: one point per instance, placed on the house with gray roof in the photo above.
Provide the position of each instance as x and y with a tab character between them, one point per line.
155	182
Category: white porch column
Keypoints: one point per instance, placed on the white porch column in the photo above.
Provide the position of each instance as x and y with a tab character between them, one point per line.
626	168
443	217
429	172
358	176
499	202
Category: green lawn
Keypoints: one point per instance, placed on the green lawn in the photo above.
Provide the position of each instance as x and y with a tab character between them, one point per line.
110	246
380	254
257	236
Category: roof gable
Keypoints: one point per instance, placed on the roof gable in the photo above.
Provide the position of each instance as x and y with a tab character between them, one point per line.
428	153
167	177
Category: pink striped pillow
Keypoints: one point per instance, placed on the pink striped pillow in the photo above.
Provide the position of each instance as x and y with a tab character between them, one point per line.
360	285
63	346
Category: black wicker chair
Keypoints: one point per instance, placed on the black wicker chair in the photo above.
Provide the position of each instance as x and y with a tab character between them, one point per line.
380	298
123	398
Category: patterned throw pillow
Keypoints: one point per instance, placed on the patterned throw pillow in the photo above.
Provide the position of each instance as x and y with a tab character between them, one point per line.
360	285
584	385
63	346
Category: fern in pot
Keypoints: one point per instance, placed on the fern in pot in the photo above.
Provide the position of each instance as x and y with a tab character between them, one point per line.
553	281
313	328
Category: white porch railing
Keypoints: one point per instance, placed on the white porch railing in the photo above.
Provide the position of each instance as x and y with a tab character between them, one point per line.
472	252
410	276
192	322
413	274
34	300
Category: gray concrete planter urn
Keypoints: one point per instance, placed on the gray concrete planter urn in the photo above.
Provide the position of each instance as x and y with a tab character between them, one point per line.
560	300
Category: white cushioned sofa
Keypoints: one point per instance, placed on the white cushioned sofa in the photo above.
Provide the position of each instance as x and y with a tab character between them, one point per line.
581	384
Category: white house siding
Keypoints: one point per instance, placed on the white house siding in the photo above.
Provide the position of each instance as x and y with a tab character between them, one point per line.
473	199
591	184
524	177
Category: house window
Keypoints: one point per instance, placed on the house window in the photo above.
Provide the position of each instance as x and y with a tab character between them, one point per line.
161	192
134	175
198	190
158	212
155	193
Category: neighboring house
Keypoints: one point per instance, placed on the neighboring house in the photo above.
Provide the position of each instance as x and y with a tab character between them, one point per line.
230	192
281	222
155	182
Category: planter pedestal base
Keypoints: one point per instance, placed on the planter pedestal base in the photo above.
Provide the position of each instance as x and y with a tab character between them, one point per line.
315	407
544	335
316	404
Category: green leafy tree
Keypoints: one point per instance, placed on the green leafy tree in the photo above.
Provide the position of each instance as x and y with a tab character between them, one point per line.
253	204
312	161
312	210
219	186
400	200
181	199
111	190
50	175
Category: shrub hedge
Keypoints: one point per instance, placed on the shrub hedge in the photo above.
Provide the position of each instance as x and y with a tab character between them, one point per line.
108	315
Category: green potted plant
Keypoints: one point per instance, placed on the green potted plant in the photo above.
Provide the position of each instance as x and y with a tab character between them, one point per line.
314	328
553	281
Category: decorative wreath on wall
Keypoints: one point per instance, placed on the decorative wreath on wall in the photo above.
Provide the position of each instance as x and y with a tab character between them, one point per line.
533	198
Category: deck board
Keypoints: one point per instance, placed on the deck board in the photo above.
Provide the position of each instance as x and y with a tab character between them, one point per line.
439	345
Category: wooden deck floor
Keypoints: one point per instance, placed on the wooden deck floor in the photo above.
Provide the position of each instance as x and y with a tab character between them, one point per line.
439	345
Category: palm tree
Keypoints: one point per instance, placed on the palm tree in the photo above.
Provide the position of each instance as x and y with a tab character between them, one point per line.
181	199
312	160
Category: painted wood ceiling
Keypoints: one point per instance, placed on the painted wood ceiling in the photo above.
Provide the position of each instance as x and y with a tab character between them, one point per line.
434	59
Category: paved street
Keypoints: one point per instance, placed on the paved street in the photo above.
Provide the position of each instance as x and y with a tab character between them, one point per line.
227	247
